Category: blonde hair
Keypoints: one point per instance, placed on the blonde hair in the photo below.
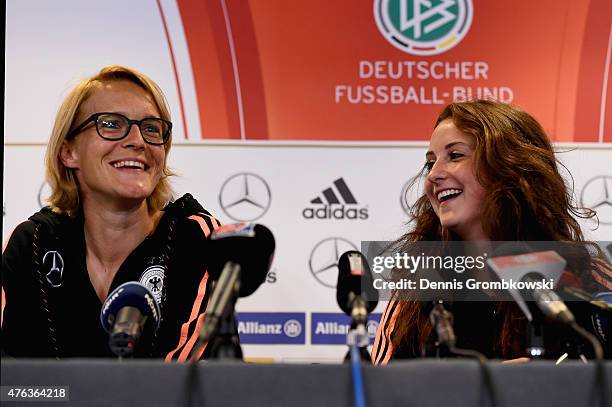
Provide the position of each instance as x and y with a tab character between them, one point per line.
64	187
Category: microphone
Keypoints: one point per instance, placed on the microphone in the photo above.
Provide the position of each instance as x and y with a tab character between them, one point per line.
520	262
241	256
442	321
598	312
553	306
357	297
602	319
124	315
600	301
530	267
355	292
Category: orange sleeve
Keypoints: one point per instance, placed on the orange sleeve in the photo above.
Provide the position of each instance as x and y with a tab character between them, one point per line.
382	351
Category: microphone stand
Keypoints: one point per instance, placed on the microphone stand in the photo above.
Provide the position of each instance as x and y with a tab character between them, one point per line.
442	322
358	337
358	334
226	344
358	340
553	307
535	340
219	327
358	388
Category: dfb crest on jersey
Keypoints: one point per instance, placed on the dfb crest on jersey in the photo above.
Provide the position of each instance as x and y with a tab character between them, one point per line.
153	279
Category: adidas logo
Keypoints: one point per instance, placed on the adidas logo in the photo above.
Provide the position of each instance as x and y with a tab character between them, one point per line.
336	202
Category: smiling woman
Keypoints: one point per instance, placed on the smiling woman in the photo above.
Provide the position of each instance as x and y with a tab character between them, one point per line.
490	175
451	186
111	219
112	160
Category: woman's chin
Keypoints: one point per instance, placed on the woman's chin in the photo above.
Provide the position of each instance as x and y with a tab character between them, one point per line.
449	224
133	195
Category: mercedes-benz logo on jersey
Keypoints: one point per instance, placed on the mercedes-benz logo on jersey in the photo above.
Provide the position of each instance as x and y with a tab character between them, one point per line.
245	197
153	279
54	262
597	195
292	328
423	27
44	192
323	261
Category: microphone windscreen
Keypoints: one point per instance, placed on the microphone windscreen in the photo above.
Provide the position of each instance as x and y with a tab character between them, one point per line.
602	317
250	245
355	277
130	294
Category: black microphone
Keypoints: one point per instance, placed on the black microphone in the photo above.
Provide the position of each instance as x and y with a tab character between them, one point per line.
442	321
518	261
124	315
530	267
553	306
602	318
240	257
357	297
598	309
355	292
600	301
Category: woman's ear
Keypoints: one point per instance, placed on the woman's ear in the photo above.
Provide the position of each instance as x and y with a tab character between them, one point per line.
68	155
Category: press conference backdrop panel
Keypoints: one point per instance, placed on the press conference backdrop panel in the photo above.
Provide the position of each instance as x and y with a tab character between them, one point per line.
324	109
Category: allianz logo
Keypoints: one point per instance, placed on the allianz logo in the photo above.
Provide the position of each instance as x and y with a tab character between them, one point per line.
291	328
331	328
337	328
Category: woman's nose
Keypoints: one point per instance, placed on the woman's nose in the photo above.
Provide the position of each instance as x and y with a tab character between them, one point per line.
437	172
134	137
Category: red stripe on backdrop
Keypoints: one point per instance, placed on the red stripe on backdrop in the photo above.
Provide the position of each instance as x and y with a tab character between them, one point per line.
176	78
249	66
591	76
606	126
211	64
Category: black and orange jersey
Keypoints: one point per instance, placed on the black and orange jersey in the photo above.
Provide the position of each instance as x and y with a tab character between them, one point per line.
383	351
52	309
477	325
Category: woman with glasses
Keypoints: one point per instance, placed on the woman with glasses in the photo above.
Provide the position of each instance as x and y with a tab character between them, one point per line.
111	219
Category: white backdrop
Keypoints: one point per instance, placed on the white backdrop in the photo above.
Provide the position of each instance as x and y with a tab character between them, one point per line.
49	47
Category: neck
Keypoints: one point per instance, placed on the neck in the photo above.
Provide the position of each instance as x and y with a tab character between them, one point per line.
482	249
477	247
112	233
473	234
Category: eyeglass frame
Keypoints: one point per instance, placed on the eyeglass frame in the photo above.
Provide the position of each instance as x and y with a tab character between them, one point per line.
94	118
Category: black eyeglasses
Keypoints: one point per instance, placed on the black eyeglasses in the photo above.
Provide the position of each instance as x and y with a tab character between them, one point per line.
115	126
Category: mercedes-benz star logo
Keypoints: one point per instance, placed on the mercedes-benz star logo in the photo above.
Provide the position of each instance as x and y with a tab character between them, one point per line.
245	197
56	268
597	195
412	190
323	261
404	198
44	192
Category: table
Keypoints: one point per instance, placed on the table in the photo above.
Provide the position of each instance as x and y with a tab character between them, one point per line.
413	383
